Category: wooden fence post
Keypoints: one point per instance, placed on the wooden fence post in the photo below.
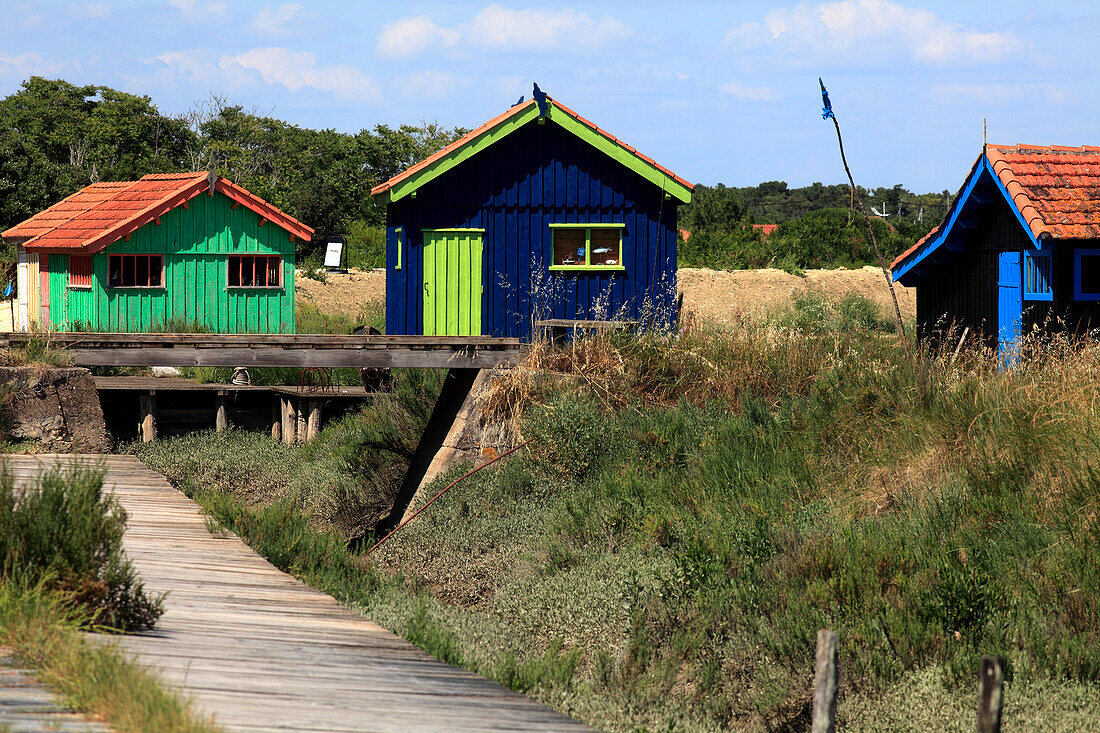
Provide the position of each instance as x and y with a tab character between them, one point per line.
276	417
148	425
290	421
221	418
825	683
313	425
990	694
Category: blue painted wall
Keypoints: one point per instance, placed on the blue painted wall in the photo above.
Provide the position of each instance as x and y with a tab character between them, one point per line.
514	189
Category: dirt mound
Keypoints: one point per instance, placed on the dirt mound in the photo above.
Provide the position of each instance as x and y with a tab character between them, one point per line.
725	295
721	296
347	293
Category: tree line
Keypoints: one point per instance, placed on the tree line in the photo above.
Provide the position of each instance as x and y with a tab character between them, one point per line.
57	137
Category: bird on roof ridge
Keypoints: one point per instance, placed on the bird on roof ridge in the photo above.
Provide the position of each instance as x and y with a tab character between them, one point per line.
542	98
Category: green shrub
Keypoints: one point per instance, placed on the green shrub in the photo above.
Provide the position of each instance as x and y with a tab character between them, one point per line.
65	531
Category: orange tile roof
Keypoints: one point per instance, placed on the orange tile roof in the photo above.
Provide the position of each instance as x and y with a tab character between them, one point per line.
103	213
1055	188
474	134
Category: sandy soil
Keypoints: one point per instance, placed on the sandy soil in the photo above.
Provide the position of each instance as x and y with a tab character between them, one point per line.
725	295
342	292
716	295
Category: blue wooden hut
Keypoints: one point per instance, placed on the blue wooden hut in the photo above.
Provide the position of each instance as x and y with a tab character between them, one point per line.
538	214
1019	249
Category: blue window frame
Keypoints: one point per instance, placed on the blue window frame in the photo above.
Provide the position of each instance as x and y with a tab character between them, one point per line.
1038	267
1086	274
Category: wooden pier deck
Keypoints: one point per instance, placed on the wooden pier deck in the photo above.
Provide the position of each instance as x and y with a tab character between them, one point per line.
262	652
295	350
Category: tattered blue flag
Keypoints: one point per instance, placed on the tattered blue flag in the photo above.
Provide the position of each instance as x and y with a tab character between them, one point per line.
827	106
8	290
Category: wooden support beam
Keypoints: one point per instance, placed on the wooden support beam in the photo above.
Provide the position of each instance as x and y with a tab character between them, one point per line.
278	356
313	428
456	386
825	683
302	426
290	421
991	694
276	417
221	418
147	426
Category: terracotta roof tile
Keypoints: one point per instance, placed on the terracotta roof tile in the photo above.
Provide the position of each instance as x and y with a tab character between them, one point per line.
103	213
1056	188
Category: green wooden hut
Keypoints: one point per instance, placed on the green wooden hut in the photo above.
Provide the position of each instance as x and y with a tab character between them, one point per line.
170	251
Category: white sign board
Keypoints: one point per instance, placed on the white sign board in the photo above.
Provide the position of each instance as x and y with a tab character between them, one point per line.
333	251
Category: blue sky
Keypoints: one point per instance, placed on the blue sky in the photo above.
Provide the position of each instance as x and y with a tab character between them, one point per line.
717	91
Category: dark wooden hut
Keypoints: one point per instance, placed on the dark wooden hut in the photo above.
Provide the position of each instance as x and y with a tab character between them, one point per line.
536	215
1018	250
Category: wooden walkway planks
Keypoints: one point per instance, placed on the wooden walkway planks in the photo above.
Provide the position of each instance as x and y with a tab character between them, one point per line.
300	350
263	652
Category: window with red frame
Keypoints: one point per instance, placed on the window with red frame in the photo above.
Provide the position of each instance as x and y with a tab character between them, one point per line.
255	271
80	271
135	271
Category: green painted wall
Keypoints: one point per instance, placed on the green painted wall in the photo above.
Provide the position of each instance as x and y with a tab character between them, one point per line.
452	282
195	243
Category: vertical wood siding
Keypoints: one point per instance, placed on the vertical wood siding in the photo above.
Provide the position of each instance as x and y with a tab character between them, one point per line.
513	190
195	243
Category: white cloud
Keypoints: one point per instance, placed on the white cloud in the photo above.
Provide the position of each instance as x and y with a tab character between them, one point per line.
874	31
503	29
25	64
431	83
202	9
507	29
1000	94
87	11
409	36
298	69
742	91
283	20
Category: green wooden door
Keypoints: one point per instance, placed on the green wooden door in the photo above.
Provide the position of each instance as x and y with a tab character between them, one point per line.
452	282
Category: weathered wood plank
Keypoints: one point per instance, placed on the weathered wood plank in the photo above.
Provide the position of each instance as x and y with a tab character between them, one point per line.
263	652
276	356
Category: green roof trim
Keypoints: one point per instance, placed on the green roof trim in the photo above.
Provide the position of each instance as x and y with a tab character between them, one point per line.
614	149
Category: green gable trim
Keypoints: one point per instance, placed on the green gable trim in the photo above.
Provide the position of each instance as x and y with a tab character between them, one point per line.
646	170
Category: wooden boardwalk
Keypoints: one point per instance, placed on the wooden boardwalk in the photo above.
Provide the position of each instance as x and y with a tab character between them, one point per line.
297	350
261	651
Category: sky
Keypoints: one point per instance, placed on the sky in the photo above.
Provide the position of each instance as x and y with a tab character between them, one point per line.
717	91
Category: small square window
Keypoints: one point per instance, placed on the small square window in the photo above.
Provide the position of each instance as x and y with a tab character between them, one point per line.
134	271
587	247
1086	274
1037	271
80	271
255	271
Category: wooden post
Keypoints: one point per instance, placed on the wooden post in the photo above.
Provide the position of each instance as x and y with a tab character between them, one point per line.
456	387
302	411
290	421
276	417
825	683
990	694
221	418
313	427
147	428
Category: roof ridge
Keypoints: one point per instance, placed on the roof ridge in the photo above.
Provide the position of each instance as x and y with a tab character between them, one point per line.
477	132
